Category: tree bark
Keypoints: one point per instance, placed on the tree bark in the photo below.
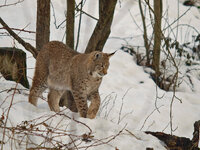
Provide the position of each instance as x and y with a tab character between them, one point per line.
179	143
157	35
102	29
43	23
70	23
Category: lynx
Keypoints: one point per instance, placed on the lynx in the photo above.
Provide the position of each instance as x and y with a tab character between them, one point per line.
71	75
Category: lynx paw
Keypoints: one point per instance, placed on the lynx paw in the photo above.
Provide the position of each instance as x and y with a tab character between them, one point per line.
91	115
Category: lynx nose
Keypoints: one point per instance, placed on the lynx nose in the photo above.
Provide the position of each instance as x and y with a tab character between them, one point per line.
104	71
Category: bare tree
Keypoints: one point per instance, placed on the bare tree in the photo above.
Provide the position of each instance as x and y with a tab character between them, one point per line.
157	35
146	42
102	29
43	23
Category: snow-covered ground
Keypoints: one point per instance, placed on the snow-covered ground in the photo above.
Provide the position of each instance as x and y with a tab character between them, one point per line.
128	94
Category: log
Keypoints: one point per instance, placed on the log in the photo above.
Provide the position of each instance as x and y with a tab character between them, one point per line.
179	143
13	65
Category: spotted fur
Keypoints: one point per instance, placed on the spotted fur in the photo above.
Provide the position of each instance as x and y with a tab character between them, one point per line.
65	71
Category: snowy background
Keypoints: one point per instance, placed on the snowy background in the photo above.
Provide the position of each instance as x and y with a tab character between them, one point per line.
128	93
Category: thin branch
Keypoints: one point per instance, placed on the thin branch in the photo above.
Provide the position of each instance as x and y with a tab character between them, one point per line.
5	5
133	134
8	115
122	104
83	12
27	46
77	9
79	26
156	99
177	19
149	116
187	25
54	16
21	30
109	139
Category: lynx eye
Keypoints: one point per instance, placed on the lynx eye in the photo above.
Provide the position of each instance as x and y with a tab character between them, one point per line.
103	66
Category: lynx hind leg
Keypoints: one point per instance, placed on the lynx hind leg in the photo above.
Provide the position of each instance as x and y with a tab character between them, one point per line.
94	106
53	99
38	87
67	100
39	83
35	93
81	103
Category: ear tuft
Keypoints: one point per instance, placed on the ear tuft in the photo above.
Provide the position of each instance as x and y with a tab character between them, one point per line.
111	54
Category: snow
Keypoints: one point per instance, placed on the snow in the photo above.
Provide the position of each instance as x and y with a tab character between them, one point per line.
128	93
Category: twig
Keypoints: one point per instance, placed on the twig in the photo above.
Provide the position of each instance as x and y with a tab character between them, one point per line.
135	21
73	142
106	142
133	134
54	16
27	46
120	111
187	25
5	5
79	25
22	30
177	19
157	97
148	117
7	116
105	103
76	121
83	12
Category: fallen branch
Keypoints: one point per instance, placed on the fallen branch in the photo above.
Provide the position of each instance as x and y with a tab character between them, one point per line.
179	143
27	46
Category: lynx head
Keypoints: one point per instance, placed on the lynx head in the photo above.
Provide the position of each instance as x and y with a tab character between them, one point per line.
99	63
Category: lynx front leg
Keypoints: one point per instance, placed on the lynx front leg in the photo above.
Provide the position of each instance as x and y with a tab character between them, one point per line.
94	106
53	99
67	100
81	103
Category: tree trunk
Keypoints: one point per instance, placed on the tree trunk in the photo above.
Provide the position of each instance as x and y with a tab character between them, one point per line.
102	29
70	23
146	43
43	23
157	35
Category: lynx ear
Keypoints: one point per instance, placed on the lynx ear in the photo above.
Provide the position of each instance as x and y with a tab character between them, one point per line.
111	54
97	56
